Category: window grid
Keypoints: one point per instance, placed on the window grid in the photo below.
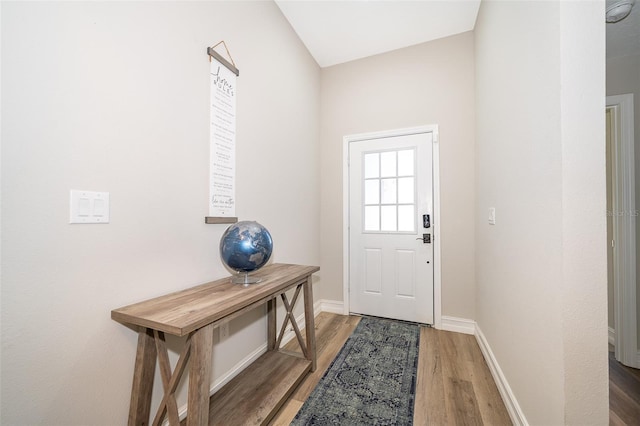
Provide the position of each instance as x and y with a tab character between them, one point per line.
383	212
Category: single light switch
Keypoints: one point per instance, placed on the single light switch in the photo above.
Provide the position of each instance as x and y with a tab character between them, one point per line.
84	207
98	207
492	215
89	207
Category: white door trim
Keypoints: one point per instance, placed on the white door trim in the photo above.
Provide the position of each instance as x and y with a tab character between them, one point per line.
624	230
437	290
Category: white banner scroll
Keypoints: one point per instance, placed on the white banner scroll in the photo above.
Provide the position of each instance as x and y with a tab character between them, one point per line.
222	181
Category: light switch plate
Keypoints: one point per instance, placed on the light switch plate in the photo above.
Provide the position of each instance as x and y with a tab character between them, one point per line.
492	215
89	207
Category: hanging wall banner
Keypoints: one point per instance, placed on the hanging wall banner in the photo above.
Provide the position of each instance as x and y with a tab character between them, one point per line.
222	180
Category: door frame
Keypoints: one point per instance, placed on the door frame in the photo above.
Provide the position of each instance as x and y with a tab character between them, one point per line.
435	170
624	254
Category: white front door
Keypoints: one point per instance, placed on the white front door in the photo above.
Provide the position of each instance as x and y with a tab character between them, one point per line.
390	203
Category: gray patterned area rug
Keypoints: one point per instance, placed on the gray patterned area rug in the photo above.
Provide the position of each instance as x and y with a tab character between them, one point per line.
372	381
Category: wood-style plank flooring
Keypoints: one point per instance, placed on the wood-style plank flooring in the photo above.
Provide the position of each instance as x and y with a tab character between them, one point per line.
624	393
454	385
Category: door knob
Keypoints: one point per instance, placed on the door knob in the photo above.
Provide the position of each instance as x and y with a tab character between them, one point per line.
426	238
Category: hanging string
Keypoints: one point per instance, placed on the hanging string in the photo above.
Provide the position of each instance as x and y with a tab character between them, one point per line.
225	48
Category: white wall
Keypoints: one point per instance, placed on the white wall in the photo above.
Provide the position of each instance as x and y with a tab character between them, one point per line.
584	258
113	96
431	83
518	171
541	270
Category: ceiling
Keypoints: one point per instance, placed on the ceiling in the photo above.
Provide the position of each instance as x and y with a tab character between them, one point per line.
623	38
341	31
337	31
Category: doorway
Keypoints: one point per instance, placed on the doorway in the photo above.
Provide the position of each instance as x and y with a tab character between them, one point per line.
621	228
391	223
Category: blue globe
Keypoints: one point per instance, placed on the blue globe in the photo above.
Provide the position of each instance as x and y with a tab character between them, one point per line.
246	247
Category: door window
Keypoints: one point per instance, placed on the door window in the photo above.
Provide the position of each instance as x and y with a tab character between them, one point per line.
389	191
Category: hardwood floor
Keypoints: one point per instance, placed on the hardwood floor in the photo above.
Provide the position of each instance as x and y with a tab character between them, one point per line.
454	385
624	394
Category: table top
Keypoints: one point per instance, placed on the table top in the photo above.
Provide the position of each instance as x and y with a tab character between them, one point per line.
187	310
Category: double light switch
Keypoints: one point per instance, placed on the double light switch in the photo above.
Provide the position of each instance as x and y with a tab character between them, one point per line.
89	207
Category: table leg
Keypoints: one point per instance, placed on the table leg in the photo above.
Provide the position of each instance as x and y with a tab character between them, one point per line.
200	376
271	324
309	323
143	375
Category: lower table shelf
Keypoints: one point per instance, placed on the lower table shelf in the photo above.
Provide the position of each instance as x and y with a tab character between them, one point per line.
255	395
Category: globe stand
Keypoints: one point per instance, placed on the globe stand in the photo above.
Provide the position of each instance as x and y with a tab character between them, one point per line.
245	279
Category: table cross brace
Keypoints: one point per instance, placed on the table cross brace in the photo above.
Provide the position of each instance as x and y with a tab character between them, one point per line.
170	380
290	318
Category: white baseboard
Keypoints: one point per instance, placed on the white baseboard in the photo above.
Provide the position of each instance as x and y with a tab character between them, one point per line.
331	306
510	401
458	325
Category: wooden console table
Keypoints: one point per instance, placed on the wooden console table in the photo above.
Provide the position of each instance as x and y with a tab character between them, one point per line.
255	395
